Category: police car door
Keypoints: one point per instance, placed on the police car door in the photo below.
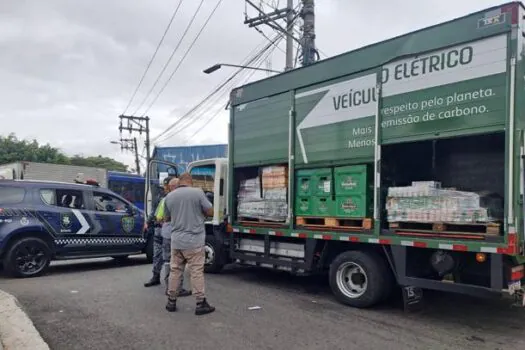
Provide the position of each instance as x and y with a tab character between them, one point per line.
118	218
65	212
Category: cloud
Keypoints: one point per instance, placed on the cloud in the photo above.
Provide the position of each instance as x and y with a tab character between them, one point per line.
68	68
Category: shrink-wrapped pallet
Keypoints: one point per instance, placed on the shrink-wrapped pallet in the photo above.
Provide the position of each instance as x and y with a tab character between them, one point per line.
271	204
428	202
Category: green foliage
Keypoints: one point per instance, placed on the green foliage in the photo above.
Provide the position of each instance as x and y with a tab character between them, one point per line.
13	149
98	162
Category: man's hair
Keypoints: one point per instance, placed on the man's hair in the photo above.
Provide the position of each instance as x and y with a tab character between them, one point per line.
185	178
174	182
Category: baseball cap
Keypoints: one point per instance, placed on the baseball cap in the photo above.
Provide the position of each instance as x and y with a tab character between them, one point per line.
167	180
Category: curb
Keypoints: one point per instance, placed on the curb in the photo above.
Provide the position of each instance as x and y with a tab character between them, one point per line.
17	331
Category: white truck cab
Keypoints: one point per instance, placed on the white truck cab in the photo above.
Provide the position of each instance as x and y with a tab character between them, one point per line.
212	176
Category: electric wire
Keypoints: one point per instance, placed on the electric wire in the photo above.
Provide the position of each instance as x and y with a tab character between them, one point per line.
215	115
209	96
153	56
159	76
224	95
183	57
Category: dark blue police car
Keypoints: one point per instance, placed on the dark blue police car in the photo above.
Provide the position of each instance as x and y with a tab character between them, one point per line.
45	221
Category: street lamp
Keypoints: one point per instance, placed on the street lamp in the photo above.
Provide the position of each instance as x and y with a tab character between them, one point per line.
219	65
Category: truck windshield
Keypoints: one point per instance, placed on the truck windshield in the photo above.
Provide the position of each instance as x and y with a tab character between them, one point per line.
11	195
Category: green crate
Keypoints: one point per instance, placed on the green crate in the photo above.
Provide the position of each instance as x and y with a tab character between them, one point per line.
354	206
351	180
305	181
323	206
323	182
303	206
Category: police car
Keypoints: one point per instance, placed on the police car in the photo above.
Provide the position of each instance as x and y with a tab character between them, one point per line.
44	221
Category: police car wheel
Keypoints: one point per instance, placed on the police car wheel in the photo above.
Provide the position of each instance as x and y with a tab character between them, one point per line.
27	257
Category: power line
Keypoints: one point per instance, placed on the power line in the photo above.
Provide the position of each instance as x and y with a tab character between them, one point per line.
154	55
207	98
243	63
184	57
206	123
260	59
215	90
170	58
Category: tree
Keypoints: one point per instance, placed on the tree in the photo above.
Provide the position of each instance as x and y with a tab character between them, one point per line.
13	149
99	162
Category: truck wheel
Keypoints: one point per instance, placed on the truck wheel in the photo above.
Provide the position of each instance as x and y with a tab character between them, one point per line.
213	260
360	279
149	250
27	257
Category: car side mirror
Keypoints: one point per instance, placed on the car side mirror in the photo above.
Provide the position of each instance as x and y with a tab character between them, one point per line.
132	210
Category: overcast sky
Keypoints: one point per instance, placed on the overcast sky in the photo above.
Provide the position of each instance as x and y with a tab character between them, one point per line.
68	68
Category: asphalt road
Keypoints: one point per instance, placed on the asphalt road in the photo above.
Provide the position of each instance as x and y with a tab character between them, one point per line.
102	305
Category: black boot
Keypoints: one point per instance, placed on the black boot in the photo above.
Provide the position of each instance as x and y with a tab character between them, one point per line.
171	306
154	281
203	308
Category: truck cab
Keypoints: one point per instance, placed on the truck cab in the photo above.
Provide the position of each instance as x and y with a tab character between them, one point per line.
211	176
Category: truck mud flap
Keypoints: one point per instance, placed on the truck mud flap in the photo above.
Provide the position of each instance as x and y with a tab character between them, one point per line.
413	300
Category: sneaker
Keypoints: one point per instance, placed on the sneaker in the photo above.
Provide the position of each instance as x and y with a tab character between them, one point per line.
171	306
154	281
203	308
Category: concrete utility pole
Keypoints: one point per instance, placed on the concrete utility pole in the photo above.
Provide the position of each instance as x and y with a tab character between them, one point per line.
130	145
289	35
270	19
139	124
309	51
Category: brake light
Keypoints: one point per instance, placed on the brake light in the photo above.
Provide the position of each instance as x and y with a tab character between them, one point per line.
517	273
512	9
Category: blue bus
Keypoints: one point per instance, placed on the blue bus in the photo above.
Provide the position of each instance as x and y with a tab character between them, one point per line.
129	186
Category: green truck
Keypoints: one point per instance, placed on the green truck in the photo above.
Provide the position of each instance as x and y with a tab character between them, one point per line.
399	163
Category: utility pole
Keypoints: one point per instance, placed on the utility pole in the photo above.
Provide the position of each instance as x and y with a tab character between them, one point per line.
289	35
130	145
309	51
271	19
138	124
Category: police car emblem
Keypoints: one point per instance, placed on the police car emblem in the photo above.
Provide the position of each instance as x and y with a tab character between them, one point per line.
24	221
65	221
128	223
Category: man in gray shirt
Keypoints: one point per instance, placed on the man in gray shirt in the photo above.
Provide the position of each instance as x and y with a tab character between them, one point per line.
188	208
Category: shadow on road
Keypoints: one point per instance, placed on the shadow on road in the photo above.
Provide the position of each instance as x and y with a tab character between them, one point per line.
85	265
447	309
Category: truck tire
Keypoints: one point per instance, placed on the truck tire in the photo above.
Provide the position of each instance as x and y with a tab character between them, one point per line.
27	257
360	279
214	255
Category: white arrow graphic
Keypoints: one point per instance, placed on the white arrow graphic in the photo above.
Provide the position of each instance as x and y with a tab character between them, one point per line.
83	223
343	101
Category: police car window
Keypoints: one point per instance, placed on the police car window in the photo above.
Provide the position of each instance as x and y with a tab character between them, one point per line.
48	196
70	199
108	203
11	195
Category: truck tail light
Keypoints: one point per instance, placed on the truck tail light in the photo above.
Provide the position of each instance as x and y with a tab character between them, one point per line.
517	273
